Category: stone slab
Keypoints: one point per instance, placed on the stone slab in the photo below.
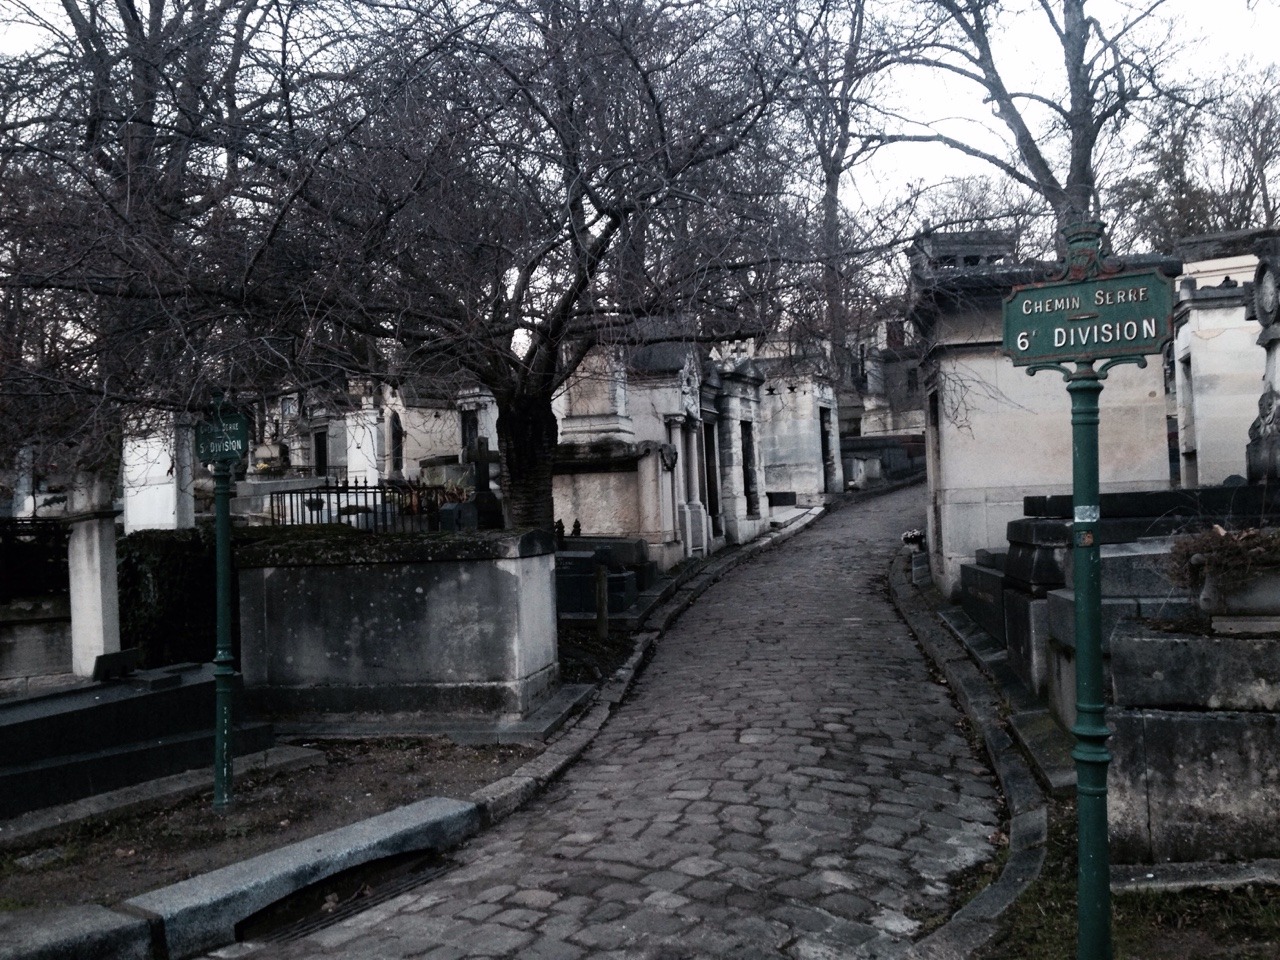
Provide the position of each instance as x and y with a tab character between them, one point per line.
1039	533
1152	669
67	778
1246	625
1062	617
100	716
1036	565
33	826
34	649
1167	608
1241	501
1027	637
624	550
1136	569
1060	685
1050	532
991	558
1177	877
549	717
1191	785
201	913
1048	746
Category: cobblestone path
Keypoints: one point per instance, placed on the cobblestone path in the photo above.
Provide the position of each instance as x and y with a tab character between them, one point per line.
785	780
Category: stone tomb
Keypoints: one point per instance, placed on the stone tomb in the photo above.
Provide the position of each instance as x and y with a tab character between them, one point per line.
1196	719
1195	773
461	624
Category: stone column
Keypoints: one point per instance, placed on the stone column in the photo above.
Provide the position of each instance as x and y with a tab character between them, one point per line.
364	445
95	604
184	479
24	501
695	513
650	480
732	496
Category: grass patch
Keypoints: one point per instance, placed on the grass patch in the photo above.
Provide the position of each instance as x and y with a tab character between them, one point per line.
1242	923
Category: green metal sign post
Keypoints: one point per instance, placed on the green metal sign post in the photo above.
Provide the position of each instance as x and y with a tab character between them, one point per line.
223	440
1093	313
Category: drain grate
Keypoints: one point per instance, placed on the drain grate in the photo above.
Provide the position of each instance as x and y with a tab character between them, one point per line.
340	897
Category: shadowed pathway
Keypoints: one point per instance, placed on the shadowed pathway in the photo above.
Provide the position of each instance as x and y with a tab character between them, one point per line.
785	780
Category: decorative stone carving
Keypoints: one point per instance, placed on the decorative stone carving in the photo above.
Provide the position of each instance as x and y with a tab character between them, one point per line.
1266	285
670	455
1268	409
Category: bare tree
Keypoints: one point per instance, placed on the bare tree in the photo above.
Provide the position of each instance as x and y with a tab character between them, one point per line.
565	175
992	203
1205	168
1052	135
147	153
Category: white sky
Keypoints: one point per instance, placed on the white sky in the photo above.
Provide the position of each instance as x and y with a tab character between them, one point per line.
1216	36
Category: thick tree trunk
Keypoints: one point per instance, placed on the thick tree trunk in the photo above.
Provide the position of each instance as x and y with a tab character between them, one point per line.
527	441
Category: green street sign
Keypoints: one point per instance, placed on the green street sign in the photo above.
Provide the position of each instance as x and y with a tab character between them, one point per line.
1123	315
225	438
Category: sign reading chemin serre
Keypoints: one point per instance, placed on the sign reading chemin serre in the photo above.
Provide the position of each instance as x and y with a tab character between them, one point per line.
1123	315
225	438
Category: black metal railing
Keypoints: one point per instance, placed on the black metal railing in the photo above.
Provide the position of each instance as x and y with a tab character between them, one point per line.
391	507
33	557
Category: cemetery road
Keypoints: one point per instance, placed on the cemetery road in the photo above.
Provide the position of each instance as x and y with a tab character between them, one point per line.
786	779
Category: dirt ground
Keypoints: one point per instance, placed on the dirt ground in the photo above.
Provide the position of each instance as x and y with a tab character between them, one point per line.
110	859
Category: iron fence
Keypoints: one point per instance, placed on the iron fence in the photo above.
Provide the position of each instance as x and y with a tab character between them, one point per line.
390	507
33	557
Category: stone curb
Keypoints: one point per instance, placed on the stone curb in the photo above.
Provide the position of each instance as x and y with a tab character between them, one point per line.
201	913
975	923
84	932
499	800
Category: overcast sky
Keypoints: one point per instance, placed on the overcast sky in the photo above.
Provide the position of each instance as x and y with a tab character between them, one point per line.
1214	37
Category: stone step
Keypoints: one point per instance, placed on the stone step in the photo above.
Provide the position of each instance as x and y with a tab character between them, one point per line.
102	716
1062	614
1132	569
62	779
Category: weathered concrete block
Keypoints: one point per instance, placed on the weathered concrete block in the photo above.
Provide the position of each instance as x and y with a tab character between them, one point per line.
1190	785
1151	669
1036	566
982	596
1026	633
1062	616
